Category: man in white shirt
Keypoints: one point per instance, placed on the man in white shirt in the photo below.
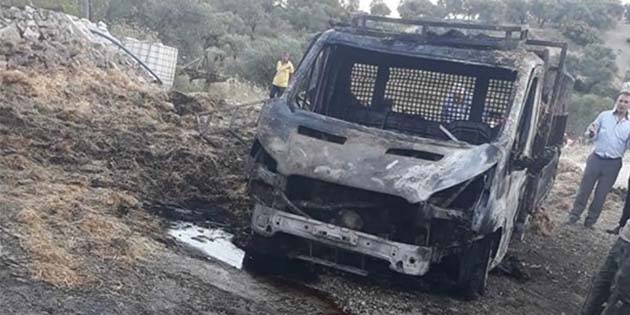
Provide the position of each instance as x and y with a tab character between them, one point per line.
611	133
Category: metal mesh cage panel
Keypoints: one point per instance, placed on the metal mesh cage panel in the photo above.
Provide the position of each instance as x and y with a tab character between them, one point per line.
363	79
434	96
497	101
425	93
160	58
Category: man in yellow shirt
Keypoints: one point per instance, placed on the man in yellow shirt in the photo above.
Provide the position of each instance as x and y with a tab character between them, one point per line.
284	70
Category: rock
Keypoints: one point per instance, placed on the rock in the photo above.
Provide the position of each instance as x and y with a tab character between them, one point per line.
10	34
167	106
34	38
3	62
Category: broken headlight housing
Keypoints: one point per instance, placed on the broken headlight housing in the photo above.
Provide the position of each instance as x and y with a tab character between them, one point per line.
465	195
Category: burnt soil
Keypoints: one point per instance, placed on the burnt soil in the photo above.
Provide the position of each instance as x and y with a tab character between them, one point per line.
93	160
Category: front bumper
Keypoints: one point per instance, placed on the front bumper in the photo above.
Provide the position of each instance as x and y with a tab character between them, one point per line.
402	258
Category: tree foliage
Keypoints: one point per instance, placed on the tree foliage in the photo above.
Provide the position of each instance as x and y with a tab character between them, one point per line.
238	37
581	33
584	110
599	14
517	11
378	7
412	9
594	69
544	11
489	11
68	6
350	5
312	16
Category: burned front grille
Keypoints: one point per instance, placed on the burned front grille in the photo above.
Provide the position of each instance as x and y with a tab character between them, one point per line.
382	215
338	258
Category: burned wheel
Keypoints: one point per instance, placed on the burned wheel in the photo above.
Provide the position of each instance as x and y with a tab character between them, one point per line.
474	266
264	263
262	255
270	256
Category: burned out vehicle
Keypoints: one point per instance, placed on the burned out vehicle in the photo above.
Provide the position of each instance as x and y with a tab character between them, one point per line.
409	150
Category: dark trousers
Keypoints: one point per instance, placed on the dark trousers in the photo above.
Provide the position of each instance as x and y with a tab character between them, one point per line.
611	285
626	208
276	91
602	172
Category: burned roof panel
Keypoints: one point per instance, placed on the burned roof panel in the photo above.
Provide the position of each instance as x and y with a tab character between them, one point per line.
422	46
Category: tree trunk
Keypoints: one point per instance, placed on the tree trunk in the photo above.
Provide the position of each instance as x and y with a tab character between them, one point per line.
86	8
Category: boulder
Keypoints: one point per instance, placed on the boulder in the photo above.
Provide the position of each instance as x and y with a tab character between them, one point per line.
10	34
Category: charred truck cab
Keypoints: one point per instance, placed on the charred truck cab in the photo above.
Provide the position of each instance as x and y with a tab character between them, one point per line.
407	150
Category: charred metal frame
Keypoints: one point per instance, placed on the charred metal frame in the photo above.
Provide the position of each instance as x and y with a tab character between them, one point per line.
507	41
404	258
560	68
212	122
295	142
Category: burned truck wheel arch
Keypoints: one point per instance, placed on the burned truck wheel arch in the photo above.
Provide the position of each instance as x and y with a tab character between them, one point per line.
400	151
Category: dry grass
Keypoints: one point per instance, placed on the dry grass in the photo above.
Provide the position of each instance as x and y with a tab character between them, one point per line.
565	188
83	144
101	228
542	223
14	77
560	197
50	261
65	226
77	163
59	228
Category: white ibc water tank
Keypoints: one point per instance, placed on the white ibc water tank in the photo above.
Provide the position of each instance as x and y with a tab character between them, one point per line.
160	58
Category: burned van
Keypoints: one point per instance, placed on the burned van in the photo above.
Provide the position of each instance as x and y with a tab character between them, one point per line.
405	150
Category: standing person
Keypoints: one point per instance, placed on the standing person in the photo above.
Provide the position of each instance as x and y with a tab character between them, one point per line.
457	104
284	70
625	215
610	290
610	131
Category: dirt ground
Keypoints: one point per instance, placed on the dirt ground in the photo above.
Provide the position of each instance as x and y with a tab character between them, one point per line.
558	260
94	160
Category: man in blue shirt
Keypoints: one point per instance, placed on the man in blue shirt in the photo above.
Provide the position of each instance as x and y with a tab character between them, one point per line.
611	134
